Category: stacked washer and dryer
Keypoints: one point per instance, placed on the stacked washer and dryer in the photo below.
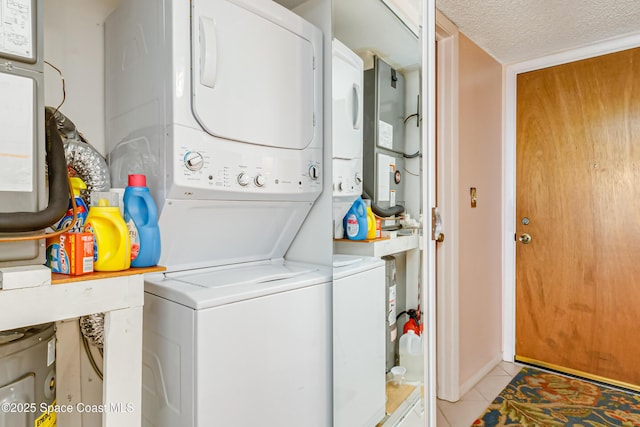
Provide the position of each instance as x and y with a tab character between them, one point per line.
359	320
219	103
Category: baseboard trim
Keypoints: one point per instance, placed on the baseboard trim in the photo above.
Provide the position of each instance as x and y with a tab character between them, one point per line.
475	379
577	373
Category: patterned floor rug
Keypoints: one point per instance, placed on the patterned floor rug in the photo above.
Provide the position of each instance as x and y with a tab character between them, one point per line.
536	398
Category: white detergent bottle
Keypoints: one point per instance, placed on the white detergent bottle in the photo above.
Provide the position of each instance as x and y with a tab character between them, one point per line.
410	349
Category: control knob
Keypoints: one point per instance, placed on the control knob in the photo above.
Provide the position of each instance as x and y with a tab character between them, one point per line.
358	178
314	172
193	160
243	179
260	180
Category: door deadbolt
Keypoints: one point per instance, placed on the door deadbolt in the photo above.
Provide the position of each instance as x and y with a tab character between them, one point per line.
525	238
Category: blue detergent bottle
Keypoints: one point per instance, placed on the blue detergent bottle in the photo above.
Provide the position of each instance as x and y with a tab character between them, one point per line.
141	216
355	221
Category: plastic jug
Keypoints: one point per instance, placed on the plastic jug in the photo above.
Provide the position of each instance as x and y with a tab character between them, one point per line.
141	217
77	185
112	248
410	349
371	221
355	221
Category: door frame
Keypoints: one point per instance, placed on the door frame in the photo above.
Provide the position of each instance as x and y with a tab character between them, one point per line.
447	253
509	169
428	136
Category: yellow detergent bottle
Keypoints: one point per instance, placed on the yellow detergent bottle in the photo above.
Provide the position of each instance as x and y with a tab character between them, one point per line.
112	248
371	221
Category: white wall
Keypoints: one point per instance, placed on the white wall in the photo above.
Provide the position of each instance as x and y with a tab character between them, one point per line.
74	42
480	263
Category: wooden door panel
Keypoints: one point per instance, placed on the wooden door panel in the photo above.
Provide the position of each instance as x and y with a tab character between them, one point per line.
578	173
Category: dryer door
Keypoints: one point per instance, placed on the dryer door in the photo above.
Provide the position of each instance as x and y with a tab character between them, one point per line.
254	78
347	82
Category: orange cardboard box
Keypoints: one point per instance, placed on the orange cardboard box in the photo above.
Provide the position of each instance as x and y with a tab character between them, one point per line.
71	253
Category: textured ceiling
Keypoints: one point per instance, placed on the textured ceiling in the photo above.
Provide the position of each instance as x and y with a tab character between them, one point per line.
517	30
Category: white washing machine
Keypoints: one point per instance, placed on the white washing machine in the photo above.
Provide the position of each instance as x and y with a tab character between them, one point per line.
238	346
359	322
358	282
347	107
219	104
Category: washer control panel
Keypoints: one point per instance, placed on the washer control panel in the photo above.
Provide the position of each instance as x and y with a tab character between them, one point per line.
236	167
347	177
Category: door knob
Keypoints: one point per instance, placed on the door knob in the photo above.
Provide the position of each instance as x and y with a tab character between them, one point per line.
440	237
525	238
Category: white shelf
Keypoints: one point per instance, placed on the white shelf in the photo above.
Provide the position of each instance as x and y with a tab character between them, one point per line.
408	414
120	296
42	304
378	247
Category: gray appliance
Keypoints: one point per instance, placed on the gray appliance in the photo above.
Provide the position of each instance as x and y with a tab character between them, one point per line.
391	330
22	146
27	375
384	114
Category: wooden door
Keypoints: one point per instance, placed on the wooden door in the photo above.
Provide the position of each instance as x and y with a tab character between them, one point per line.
578	197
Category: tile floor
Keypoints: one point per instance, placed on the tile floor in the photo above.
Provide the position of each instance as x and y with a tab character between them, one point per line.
465	411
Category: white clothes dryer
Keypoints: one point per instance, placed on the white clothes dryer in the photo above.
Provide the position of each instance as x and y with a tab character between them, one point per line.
219	104
347	115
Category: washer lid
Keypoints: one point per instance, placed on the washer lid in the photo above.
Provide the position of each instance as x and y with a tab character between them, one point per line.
348	265
254	69
244	275
216	286
345	260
